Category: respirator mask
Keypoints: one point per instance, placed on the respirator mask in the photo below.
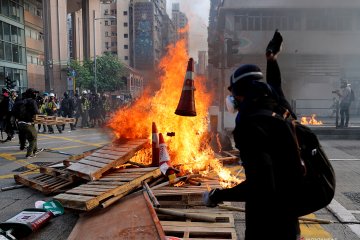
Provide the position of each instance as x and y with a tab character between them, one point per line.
231	104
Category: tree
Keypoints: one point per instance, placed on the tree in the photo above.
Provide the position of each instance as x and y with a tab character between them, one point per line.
109	75
84	78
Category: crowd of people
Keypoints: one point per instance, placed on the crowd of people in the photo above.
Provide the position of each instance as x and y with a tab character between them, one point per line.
17	114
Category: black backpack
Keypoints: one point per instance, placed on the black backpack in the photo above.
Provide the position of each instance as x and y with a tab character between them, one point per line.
317	186
352	95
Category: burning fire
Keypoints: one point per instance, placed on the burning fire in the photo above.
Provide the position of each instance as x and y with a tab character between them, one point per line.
310	120
187	149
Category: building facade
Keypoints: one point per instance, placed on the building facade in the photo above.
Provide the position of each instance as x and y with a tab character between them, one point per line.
12	44
180	22
34	37
320	44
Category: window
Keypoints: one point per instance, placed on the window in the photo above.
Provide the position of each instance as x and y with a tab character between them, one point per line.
107	44
8	53
126	57
125	13
113	22
125	24
113	44
14	34
106	12
106	23
16	54
106	34
126	35
6	32
113	11
1	50
126	46
114	34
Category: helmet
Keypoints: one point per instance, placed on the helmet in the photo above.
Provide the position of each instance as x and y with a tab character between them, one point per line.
242	76
84	92
51	95
45	94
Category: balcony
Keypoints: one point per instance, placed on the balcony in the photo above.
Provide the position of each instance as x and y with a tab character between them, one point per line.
37	45
33	20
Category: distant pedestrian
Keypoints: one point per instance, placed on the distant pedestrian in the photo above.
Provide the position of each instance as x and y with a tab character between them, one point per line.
84	106
77	108
52	110
67	109
345	102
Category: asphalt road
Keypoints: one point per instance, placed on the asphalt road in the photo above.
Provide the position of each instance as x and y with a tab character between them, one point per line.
344	210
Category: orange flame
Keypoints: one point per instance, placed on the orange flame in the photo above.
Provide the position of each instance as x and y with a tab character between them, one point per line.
187	148
311	120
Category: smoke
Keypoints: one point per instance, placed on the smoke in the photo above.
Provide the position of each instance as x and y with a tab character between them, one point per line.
197	13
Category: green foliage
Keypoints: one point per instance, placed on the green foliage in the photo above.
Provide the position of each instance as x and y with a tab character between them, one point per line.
109	74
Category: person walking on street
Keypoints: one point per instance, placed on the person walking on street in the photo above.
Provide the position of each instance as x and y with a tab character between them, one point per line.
345	102
266	147
24	112
51	110
85	106
77	108
67	109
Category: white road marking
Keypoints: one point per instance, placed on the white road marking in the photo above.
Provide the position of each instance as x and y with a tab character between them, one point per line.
344	159
344	215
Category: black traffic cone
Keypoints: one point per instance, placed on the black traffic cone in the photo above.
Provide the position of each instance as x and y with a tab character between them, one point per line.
186	106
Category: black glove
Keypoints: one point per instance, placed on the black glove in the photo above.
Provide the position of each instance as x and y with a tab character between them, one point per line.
208	198
274	44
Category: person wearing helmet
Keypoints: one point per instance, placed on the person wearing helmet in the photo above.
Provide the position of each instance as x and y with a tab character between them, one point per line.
51	110
266	145
84	108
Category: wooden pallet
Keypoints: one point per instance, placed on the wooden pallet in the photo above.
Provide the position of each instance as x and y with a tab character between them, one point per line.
92	167
115	184
223	228
52	120
48	181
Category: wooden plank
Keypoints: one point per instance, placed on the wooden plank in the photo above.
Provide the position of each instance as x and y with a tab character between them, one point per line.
97	159
102	155
129	219
91	173
92	163
86	193
131	170
76	201
115	153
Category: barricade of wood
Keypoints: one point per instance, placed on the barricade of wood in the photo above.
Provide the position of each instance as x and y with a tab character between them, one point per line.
52	120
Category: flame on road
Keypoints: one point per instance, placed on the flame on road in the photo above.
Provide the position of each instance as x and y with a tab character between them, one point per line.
311	120
188	149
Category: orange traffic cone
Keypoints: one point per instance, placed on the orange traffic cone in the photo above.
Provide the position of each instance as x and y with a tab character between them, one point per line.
155	146
186	106
164	160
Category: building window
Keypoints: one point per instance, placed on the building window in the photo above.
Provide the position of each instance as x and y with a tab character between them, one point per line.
126	57
106	34
125	24
106	12
113	22
114	34
126	46
113	44
126	35
107	44
125	13
106	23
113	11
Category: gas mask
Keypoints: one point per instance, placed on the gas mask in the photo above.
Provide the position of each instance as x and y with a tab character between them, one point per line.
231	104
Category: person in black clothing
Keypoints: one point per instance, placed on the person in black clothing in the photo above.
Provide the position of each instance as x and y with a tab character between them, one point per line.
67	109
268	152
24	112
